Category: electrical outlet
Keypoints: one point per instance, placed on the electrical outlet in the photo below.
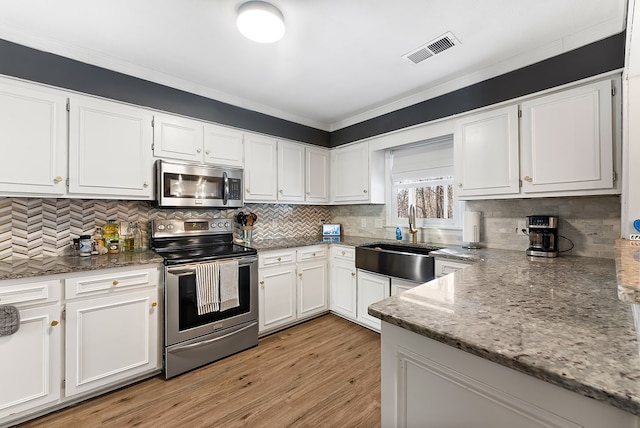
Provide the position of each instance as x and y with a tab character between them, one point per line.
378	223
521	225
363	222
634	237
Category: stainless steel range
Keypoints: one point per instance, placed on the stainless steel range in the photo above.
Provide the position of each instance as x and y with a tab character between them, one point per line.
203	267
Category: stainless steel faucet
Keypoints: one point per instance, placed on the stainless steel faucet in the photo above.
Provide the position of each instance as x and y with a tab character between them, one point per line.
412	224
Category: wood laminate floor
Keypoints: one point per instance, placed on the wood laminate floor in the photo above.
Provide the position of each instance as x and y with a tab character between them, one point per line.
325	372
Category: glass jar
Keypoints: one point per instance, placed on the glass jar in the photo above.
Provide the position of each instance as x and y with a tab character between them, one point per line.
111	237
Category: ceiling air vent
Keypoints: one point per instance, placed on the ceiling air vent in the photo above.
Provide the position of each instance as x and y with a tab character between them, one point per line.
434	47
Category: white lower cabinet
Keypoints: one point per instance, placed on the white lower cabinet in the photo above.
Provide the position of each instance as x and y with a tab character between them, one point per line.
372	288
111	329
399	285
31	358
277	297
343	282
444	267
312	288
421	378
110	339
104	334
293	286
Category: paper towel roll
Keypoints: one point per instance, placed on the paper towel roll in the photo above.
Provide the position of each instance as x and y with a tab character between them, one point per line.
471	227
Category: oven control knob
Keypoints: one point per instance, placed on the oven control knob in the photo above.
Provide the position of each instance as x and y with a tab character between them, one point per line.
220	224
161	227
169	227
226	224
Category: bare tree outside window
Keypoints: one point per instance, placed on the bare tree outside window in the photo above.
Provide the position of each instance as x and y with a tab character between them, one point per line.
432	201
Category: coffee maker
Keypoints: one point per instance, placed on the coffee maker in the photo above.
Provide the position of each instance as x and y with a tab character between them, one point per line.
543	235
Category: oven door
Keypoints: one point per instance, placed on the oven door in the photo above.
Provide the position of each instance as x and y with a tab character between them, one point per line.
195	185
182	321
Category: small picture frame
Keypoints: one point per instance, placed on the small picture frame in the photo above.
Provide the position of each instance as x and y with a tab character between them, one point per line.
331	230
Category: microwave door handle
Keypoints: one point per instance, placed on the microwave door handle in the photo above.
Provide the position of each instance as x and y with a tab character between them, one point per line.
225	191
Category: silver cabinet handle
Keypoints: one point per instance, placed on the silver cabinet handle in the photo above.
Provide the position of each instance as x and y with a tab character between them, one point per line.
207	152
459	184
145	184
365	190
198	150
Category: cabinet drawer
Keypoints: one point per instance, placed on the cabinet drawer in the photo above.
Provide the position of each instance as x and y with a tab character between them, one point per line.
343	253
445	267
276	258
29	293
113	281
312	253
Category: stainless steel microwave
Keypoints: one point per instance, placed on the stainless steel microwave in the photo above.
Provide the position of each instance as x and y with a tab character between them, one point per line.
198	186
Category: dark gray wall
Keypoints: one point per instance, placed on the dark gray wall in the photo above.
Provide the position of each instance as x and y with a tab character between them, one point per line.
590	60
30	64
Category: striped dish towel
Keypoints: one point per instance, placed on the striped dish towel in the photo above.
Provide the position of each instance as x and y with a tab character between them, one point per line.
207	288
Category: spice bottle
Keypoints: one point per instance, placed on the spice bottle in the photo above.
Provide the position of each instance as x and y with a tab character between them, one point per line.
112	237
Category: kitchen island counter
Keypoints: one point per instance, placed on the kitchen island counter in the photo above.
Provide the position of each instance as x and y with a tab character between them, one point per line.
558	320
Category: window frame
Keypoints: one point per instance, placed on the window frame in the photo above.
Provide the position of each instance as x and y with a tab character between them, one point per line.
392	204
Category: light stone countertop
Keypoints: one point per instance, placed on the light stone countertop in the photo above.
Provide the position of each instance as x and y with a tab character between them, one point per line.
41	266
559	320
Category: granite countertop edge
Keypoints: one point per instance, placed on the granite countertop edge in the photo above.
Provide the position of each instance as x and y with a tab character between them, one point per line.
613	384
19	268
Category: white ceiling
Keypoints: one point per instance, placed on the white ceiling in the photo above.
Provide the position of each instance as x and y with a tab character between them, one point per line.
340	60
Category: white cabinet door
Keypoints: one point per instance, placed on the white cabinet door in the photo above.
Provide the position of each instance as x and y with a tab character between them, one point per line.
350	173
109	149
445	267
177	138
261	166
290	172
317	175
110	339
372	288
31	361
277	298
33	132
486	153
223	146
312	288
399	285
343	288
567	140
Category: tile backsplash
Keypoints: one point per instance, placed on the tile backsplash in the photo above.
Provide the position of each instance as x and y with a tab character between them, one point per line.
35	227
591	222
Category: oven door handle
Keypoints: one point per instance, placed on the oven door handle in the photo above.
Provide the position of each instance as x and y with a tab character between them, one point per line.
215	339
191	269
225	192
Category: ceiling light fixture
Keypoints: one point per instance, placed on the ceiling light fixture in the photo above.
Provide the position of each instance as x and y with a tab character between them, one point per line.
260	21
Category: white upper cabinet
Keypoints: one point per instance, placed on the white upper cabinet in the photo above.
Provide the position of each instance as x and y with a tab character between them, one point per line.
567	141
190	140
486	153
33	135
290	172
109	149
223	146
177	138
567	146
261	169
317	175
350	173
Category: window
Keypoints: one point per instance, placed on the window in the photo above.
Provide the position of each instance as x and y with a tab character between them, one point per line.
422	175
